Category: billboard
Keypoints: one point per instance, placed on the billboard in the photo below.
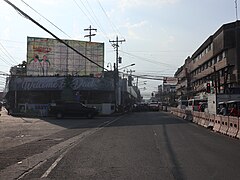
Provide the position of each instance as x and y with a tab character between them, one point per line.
170	80
49	57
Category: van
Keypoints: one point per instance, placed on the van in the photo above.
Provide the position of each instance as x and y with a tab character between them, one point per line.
182	104
193	104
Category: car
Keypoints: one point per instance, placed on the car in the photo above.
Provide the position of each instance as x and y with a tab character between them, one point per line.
153	106
71	109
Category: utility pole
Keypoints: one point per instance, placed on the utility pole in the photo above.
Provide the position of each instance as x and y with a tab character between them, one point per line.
116	45
236	8
90	29
116	76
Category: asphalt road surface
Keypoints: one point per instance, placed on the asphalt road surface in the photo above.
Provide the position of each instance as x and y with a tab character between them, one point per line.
147	145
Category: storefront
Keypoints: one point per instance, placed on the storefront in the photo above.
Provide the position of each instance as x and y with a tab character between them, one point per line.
34	93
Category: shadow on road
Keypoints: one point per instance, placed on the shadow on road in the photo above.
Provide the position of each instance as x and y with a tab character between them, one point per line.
75	126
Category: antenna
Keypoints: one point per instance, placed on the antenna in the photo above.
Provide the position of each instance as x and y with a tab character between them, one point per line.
236	6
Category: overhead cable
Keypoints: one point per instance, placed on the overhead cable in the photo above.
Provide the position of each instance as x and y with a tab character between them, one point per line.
45	18
60	40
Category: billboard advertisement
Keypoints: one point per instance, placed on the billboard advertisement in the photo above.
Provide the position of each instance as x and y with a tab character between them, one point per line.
49	57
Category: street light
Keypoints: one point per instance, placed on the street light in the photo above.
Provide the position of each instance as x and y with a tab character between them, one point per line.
109	66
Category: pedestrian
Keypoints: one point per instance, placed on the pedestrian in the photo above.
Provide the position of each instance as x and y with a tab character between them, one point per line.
234	111
223	110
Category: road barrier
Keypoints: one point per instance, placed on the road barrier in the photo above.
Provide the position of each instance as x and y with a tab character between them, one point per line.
217	123
228	125
202	119
207	120
195	116
224	125
233	126
238	134
211	121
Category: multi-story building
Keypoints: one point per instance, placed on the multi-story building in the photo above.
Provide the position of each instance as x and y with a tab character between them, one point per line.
183	85
215	61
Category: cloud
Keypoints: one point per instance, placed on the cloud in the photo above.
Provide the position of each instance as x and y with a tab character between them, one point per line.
132	29
149	3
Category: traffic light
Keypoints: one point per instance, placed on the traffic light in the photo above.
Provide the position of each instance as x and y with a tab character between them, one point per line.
208	89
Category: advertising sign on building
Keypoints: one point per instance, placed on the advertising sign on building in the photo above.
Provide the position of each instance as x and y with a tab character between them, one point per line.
49	57
170	80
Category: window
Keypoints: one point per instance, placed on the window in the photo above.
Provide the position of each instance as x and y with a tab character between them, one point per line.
220	57
210	63
224	54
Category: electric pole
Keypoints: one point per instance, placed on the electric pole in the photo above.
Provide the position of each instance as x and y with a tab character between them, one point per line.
236	8
116	77
115	45
90	29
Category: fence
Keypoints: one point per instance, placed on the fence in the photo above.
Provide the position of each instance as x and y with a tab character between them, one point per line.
227	125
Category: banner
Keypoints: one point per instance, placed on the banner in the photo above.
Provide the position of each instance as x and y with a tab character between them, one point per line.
49	57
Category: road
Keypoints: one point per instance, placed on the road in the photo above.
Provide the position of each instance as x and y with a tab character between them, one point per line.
147	145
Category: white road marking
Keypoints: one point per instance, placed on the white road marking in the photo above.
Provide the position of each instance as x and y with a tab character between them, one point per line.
28	165
101	126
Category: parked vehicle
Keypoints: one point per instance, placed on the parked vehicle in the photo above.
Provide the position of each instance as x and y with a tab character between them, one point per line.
193	104
233	107
64	109
182	104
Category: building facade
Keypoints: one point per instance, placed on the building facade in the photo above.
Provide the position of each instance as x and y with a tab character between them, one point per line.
216	62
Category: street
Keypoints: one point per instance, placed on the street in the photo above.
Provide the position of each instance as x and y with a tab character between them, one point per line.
146	145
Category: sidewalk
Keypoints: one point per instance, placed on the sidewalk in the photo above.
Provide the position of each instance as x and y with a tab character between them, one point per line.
15	131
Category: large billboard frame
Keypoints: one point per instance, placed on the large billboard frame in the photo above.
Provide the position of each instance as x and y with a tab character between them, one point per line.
49	57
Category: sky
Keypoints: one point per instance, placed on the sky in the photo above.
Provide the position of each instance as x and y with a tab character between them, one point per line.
159	34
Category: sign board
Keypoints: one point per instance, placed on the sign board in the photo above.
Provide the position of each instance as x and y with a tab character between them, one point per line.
170	80
49	57
57	83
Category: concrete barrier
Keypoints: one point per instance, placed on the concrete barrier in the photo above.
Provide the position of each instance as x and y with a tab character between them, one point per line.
238	134
207	120
211	121
217	123
233	126
195	116
224	125
202	119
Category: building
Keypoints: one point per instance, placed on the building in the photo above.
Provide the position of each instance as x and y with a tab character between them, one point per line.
216	62
54	73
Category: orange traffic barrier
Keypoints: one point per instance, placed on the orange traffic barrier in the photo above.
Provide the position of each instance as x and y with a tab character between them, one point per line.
174	111
238	134
217	123
207	120
233	126
224	125
202	119
195	116
211	121
182	113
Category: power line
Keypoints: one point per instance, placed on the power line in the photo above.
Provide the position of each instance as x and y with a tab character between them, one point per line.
8	54
148	60
100	27
5	61
60	40
45	18
111	23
